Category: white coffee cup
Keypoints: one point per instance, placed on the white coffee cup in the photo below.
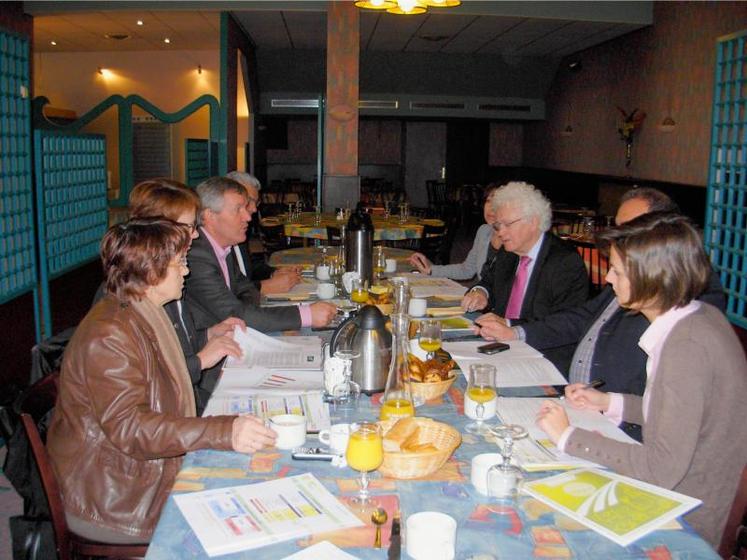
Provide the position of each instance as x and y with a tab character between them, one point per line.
417	307
431	535
336	437
291	430
391	265
325	290
470	408
322	272
479	472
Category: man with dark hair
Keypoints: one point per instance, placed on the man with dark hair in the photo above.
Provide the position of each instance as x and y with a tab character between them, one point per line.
216	288
604	335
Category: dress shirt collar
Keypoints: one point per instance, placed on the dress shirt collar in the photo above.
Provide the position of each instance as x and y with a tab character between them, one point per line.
220	252
534	251
655	335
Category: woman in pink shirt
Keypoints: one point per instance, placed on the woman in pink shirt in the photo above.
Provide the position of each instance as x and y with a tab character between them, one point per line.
692	410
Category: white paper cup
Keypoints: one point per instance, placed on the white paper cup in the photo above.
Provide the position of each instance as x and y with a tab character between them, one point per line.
325	290
322	272
391	265
417	307
470	408
478	474
431	535
336	438
291	430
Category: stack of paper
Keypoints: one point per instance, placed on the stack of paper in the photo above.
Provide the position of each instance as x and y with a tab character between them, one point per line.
426	286
620	508
537	452
258	349
303	291
520	366
246	517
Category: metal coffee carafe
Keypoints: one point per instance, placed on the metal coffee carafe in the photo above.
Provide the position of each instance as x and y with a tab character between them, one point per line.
365	333
359	245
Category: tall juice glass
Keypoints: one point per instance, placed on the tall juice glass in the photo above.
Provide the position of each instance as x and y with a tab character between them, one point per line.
397	401
365	453
480	398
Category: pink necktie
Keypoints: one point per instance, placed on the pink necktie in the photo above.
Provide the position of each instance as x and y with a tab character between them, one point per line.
513	309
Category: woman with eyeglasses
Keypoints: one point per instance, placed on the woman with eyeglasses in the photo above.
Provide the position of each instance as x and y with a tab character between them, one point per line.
162	197
125	413
693	407
485	238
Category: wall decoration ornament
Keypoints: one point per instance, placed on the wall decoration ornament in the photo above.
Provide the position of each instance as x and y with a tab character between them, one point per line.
627	127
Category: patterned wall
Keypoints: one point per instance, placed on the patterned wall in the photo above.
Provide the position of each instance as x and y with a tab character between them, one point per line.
666	69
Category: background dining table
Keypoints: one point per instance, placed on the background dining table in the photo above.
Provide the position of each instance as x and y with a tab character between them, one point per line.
309	257
487	529
385	228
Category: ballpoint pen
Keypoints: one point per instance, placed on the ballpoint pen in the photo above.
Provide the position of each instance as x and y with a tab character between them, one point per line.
595	384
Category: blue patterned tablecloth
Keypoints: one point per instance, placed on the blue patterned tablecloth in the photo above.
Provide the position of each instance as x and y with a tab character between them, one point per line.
527	529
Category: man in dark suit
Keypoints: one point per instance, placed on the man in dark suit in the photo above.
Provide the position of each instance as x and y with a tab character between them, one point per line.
216	288
602	336
534	273
267	279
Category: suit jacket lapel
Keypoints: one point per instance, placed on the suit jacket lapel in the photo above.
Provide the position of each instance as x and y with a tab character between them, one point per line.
505	270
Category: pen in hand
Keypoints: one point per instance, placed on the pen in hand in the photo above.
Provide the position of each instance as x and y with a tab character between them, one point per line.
595	384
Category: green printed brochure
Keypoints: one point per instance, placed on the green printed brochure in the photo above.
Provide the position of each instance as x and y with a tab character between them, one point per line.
620	508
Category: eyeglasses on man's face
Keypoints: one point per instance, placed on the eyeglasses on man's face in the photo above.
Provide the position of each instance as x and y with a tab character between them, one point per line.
498	225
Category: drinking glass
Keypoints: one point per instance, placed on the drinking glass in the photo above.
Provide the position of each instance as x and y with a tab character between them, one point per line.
347	389
365	453
317	215
379	262
481	391
290	217
430	337
400	295
504	480
359	292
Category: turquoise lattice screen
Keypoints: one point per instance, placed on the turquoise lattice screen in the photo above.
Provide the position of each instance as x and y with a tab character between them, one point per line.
17	256
726	213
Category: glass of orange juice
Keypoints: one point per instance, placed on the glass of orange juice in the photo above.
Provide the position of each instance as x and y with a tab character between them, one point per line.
365	453
359	291
430	337
480	398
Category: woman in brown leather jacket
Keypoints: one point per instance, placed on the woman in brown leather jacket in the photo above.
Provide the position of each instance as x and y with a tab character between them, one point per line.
125	414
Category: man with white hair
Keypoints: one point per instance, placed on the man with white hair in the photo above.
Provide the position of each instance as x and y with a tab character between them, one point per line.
534	273
268	280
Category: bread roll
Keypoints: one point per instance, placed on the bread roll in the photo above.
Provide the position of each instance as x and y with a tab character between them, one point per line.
399	434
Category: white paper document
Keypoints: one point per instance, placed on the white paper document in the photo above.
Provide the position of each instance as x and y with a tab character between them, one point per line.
266	405
426	286
301	291
324	549
263	379
620	508
520	366
537	452
250	516
258	349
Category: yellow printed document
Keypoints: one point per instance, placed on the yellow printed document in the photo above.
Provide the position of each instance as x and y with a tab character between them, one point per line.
620	508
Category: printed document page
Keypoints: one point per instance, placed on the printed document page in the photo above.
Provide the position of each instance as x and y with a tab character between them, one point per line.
620	508
422	286
303	352
254	515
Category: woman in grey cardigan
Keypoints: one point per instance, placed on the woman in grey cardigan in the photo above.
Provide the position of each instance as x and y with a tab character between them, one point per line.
692	410
476	257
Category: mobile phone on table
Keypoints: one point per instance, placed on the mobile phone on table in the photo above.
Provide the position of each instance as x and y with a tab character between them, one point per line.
493	348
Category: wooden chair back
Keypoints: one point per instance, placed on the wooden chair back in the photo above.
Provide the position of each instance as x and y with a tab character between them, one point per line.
431	244
273	238
596	264
334	236
733	544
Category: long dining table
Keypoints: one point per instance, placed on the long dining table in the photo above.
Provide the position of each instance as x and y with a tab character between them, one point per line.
525	528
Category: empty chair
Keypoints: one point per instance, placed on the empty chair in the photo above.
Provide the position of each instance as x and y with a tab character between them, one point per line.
273	238
334	235
432	242
596	264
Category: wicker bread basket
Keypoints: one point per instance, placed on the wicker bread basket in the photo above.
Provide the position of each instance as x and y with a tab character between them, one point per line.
421	463
426	391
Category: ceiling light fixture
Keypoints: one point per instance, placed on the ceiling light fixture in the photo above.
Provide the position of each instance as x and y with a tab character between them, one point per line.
100	70
199	68
166	40
406	7
53	43
140	22
667	125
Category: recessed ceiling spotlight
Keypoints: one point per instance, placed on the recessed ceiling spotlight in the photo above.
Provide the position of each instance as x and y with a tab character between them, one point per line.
140	22
117	36
53	43
166	40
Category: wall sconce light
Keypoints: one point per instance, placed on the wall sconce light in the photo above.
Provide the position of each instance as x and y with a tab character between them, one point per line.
567	131
100	70
667	125
199	68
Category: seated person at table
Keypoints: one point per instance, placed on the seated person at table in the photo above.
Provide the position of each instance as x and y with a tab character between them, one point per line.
692	410
267	279
534	273
125	413
203	348
601	336
216	288
486	243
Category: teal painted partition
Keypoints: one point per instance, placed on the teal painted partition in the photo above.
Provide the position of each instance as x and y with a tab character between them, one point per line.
18	270
71	204
196	161
726	211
